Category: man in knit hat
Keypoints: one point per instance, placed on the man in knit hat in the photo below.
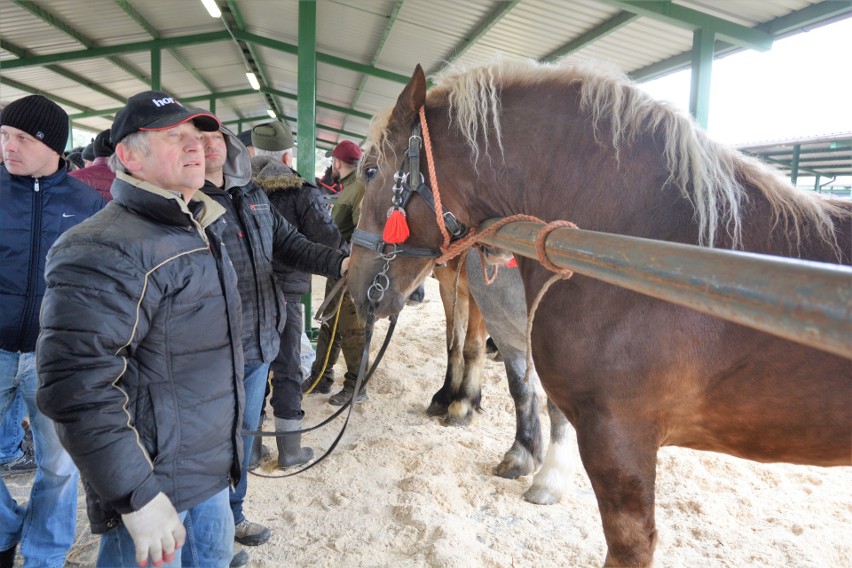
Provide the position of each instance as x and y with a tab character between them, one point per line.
99	175
88	154
39	202
300	202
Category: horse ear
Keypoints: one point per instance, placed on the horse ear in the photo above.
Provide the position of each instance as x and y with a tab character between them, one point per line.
412	98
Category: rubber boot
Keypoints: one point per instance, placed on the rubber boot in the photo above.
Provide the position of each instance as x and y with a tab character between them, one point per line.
259	452
290	450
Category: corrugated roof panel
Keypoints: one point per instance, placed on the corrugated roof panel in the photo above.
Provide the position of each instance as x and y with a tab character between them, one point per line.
21	28
101	21
171	18
747	14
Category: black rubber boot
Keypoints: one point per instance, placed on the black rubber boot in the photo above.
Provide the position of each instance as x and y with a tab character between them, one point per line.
259	452
290	450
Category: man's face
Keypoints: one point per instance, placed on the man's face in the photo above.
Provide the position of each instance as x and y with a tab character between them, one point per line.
335	171
215	151
175	159
25	155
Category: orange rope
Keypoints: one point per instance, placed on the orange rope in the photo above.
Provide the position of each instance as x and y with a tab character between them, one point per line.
433	179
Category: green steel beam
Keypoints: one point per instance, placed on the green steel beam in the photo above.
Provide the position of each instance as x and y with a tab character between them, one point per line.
156	75
295	120
307	102
667	11
155	34
21	52
234	21
307	107
323	57
702	68
482	28
329	106
794	168
65	28
392	17
779	27
134	47
613	24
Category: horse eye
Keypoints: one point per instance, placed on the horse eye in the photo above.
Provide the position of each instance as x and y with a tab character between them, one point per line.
370	172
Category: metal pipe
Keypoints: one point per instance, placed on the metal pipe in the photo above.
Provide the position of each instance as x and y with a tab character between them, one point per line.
803	301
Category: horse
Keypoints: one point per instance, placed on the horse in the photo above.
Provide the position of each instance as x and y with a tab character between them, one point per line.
470	305
579	142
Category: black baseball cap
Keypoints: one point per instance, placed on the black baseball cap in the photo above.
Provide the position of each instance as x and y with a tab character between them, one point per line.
156	110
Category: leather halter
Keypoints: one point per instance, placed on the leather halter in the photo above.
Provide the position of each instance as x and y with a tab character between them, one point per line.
402	193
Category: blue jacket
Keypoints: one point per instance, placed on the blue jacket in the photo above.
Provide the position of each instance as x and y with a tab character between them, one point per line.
33	213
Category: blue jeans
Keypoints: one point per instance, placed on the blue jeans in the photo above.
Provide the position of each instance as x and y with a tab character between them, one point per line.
44	528
254	381
11	431
209	539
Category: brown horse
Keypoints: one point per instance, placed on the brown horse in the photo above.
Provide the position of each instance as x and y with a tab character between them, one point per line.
630	372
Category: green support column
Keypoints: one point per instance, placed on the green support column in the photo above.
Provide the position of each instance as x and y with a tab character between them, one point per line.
239	126
155	69
212	105
702	64
307	105
794	170
70	142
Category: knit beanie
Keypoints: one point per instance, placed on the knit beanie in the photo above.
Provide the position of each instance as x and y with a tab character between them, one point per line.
245	138
102	146
89	151
272	136
39	117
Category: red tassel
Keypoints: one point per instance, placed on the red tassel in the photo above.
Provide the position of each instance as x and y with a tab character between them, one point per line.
512	263
396	228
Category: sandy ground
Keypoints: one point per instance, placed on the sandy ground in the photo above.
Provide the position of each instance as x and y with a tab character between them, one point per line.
402	490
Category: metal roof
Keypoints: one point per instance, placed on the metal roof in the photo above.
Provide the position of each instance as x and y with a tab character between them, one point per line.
90	56
824	157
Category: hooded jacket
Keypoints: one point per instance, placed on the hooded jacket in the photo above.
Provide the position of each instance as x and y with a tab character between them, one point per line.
271	240
300	202
139	357
33	213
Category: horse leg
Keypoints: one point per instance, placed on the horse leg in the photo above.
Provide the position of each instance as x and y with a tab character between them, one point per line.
552	481
456	313
469	395
527	451
620	457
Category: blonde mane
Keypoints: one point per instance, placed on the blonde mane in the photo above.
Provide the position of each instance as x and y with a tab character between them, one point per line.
708	174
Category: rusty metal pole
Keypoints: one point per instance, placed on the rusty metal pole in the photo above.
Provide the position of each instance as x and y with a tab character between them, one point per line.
803	301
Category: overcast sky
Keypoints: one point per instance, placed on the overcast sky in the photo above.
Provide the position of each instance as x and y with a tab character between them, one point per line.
802	87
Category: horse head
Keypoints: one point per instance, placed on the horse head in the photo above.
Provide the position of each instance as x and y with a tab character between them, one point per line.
385	270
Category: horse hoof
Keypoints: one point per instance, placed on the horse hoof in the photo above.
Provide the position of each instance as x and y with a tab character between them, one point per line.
540	496
460	421
436	409
508	471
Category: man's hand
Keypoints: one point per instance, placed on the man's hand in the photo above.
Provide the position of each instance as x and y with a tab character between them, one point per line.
344	267
156	530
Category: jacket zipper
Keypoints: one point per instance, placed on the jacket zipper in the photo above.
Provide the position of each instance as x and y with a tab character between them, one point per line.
35	246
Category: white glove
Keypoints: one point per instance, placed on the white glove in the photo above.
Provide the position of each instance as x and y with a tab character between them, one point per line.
156	530
344	267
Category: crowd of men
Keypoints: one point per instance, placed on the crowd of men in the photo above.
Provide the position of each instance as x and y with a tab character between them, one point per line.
144	299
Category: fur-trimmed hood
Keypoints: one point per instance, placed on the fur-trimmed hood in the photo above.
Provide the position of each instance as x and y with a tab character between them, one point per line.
272	175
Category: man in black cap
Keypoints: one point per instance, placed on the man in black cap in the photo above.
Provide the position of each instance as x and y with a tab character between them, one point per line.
245	138
99	175
39	202
139	357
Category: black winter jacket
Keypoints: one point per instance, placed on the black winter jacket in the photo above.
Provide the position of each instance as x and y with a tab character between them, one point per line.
139	357
33	213
271	240
300	202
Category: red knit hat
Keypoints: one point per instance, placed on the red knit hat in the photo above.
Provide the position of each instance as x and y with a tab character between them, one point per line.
347	151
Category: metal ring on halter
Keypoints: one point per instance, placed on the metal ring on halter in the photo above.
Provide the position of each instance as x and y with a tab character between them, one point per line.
378	287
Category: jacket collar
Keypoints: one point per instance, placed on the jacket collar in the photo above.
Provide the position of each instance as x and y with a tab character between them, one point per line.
162	205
